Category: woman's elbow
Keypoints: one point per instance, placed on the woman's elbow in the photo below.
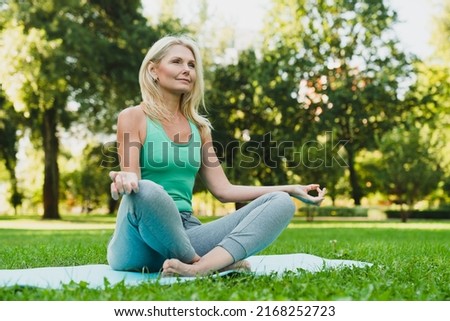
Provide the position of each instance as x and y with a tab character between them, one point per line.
222	195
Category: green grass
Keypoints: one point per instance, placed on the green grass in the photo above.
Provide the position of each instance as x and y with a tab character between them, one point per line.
411	262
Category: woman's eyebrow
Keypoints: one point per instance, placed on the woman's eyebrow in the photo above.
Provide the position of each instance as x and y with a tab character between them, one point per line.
179	57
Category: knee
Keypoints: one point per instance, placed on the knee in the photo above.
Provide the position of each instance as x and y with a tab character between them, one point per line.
285	205
117	265
150	191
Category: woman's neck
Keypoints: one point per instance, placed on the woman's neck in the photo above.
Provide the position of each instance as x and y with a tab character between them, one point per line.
172	104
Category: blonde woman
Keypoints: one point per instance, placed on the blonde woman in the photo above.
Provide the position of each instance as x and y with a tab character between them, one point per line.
163	143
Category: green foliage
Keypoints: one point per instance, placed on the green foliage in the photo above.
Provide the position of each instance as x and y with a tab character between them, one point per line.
431	109
10	125
305	108
88	185
332	211
410	170
368	164
427	215
326	69
441	33
324	161
339	68
245	134
71	61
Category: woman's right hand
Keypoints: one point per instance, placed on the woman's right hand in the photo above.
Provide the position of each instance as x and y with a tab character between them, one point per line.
123	183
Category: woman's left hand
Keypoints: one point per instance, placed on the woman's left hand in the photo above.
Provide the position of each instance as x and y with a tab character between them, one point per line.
301	192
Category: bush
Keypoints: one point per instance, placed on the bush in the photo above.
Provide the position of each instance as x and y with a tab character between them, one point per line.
443	214
332	211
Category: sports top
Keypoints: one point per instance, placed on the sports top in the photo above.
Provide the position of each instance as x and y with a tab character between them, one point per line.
171	165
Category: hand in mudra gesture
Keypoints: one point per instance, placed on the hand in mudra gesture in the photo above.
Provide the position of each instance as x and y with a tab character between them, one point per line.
301	192
123	183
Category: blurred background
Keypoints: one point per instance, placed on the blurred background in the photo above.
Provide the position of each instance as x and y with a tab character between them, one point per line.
353	95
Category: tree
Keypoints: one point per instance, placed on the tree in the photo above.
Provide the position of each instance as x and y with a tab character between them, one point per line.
336	67
411	170
323	163
428	100
436	81
86	53
441	33
87	184
9	127
246	129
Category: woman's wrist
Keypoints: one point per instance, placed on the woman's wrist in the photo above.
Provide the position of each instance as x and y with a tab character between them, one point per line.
290	189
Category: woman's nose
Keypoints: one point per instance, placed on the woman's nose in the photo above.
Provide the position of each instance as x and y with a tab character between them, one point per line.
186	68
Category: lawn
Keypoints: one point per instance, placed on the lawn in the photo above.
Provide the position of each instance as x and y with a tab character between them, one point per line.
411	262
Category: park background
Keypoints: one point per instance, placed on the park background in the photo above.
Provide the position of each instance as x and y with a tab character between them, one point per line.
347	94
353	95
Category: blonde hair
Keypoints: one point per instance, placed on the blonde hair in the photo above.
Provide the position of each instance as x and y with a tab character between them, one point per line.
152	100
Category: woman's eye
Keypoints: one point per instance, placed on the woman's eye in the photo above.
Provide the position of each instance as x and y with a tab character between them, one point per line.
179	61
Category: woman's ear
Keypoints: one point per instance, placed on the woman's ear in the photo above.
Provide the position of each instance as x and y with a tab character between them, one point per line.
152	70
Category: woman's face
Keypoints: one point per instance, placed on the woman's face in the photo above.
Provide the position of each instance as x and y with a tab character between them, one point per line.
176	71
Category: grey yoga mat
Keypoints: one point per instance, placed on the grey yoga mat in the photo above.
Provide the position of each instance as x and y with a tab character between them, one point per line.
101	275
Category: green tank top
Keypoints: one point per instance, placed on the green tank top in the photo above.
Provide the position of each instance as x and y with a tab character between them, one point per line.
171	165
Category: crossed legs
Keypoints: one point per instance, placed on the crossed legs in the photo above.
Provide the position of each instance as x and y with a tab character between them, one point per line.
226	242
149	234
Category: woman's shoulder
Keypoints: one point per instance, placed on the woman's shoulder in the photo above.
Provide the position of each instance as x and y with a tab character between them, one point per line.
132	115
132	120
132	112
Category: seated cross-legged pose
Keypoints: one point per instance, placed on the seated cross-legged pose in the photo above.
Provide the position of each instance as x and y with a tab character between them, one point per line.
163	143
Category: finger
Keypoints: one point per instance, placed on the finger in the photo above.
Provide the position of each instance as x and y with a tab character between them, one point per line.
311	187
128	188
135	186
126	185
131	183
114	192
113	174
118	181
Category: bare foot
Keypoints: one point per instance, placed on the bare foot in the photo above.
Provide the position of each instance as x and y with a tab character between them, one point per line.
243	265
176	267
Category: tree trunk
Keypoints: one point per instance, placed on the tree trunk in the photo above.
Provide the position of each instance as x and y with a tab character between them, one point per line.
356	189
404	214
51	171
8	151
309	214
112	205
16	197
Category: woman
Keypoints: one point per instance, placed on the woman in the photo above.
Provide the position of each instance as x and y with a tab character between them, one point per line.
162	144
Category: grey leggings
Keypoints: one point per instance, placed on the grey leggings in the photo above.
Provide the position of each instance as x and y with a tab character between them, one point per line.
150	229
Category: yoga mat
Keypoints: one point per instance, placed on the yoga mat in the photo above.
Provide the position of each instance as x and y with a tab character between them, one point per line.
101	275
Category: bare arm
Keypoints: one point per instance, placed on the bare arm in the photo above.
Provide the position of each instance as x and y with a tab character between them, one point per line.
218	184
131	132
